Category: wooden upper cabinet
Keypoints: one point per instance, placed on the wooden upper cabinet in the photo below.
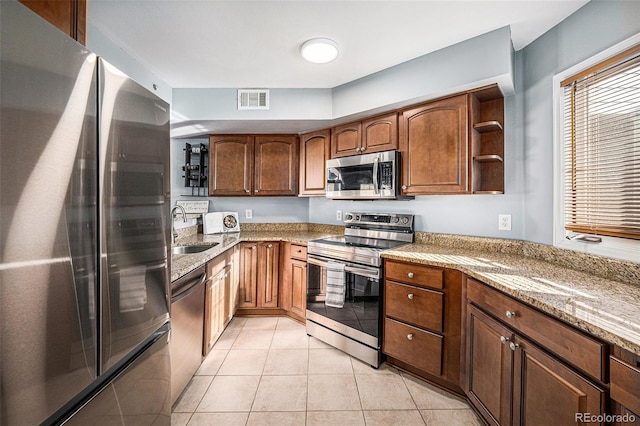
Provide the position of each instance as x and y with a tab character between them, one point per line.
276	165
434	147
372	135
253	165
380	133
231	165
346	140
70	16
314	152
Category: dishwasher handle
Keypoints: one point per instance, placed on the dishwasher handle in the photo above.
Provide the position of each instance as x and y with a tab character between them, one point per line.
185	289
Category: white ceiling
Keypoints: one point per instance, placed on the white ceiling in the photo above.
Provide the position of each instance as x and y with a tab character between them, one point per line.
230	44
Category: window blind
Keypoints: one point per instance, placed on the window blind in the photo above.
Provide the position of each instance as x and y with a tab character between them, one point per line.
602	149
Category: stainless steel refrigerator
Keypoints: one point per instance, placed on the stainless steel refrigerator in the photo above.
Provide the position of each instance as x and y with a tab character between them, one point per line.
84	237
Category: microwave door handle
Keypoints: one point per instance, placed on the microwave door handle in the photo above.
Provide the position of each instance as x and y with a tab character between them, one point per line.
376	166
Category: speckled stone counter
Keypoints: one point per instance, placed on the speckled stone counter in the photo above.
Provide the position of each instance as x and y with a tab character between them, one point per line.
606	308
185	263
595	294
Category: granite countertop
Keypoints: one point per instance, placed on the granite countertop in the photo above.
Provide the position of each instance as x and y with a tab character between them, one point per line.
603	307
185	263
598	295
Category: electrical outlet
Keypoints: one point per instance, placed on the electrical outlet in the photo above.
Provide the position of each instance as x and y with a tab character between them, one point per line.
248	214
504	222
338	214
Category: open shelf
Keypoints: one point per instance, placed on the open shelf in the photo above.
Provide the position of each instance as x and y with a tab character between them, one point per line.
488	126
492	158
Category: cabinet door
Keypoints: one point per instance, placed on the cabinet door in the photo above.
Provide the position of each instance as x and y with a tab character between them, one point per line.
434	146
489	367
314	152
248	285
70	16
380	133
230	165
268	262
298	304
214	310
548	392
276	165
346	140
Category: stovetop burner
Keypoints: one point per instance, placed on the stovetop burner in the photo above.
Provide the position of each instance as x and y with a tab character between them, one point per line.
366	235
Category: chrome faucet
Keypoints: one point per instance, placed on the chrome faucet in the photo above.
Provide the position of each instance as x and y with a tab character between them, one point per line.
174	233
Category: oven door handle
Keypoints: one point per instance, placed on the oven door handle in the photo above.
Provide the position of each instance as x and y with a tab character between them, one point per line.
357	270
318	262
364	272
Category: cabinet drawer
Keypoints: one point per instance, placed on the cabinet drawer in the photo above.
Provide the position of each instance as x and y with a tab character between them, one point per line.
298	252
414	305
575	347
422	276
413	346
625	384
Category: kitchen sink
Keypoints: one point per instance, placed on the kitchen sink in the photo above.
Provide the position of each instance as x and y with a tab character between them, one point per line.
191	249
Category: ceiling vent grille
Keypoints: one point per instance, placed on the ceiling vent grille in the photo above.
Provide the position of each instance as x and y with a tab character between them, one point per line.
253	99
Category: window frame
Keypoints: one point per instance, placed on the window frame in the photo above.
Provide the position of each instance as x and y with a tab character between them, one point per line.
614	247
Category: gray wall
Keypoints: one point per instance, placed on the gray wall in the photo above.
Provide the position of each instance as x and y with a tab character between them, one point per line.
593	28
528	126
265	209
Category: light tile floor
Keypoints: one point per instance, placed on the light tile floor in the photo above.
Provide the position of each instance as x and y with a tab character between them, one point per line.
267	371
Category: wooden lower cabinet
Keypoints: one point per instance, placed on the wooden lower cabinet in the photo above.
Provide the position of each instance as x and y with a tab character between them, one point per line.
259	276
220	296
293	295
548	392
624	368
489	363
216	308
422	321
513	381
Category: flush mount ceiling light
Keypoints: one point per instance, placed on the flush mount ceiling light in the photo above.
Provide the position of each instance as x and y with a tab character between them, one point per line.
319	50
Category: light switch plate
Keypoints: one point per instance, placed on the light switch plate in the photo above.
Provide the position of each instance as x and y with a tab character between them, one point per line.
248	214
338	214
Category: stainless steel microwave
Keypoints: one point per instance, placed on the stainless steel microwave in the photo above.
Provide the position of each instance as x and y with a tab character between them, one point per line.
364	177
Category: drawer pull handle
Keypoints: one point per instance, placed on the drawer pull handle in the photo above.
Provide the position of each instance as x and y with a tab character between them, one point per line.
270	246
253	247
410	336
410	296
513	346
504	340
404	187
510	314
410	274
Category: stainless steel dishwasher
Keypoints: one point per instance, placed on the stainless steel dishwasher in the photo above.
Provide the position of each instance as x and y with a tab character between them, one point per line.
187	328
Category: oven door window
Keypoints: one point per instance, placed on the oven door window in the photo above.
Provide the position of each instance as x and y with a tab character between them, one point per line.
361	310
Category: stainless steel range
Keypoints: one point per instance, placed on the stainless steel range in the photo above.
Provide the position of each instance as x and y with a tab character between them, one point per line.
344	288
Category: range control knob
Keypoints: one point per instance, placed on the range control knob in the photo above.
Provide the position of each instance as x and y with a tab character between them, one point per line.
358	217
405	220
348	216
395	219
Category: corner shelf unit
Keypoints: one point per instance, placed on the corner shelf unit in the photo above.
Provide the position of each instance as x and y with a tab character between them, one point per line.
195	168
487	141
